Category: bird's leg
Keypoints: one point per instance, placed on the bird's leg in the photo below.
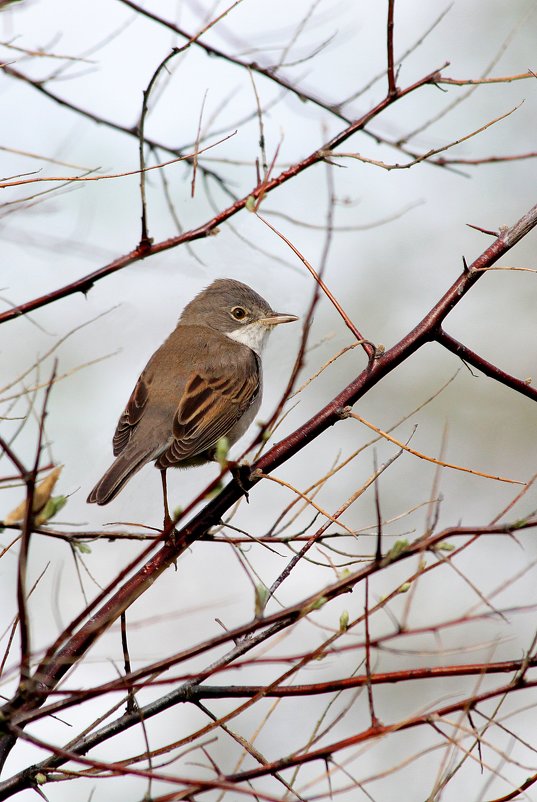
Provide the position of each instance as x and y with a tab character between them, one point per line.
240	471
167	518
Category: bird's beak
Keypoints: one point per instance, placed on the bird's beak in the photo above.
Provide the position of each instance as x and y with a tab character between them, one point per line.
276	318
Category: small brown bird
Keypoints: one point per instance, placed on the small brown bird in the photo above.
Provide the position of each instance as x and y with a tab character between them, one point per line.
203	383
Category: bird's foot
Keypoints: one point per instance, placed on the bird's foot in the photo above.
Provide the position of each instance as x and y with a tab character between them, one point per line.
241	473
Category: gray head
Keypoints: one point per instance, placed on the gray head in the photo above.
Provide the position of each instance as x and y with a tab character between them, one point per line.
235	310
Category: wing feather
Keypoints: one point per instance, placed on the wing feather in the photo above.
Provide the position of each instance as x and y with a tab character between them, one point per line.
209	408
131	416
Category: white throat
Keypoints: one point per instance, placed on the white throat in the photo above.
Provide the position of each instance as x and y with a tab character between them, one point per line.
253	335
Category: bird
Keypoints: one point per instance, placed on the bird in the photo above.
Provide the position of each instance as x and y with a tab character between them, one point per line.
202	384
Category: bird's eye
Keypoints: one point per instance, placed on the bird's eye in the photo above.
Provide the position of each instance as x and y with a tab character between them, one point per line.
238	313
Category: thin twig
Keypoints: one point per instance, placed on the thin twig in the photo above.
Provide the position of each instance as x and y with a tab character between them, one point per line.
392	89
367	346
427	457
29	480
467	355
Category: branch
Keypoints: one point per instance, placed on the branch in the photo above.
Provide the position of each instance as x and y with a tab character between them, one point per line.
54	666
367	346
87	178
377	731
392	89
272	75
124	129
144	238
145	249
462	351
26	778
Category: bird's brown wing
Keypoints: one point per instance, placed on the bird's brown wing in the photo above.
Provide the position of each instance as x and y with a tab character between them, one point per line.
131	416
211	404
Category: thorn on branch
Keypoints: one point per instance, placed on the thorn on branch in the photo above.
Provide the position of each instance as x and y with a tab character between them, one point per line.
436	77
438	85
327	157
85	288
484	230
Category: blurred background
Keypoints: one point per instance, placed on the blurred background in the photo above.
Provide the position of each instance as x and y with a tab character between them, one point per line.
399	237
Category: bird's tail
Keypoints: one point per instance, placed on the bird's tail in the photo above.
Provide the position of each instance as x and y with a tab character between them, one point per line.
118	474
